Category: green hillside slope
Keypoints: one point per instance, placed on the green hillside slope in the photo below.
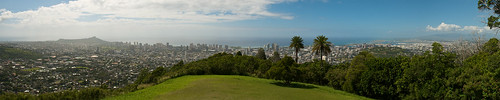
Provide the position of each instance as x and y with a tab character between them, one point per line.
226	87
10	52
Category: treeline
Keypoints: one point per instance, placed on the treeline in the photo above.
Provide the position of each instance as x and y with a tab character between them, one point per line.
92	93
436	74
82	94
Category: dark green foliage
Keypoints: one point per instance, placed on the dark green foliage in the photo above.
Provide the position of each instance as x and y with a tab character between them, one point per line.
296	43
276	57
143	77
433	75
312	72
437	48
337	75
477	79
82	94
424	76
285	69
321	46
178	66
491	5
264	66
223	64
239	53
491	46
146	77
353	73
261	54
157	74
9	52
379	78
361	58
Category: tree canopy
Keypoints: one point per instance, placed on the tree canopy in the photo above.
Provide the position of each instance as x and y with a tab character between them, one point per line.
285	69
491	5
491	46
261	54
276	57
321	46
296	43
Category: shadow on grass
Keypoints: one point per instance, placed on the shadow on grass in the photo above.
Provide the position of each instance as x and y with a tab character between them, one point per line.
294	85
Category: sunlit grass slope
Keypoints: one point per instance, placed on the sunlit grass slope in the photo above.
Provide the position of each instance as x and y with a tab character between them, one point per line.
230	87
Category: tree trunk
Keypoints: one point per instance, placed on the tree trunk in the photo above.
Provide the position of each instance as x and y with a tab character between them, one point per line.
321	58
321	55
296	55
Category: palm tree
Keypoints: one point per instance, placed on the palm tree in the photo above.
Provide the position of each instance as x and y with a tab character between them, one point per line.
321	46
297	44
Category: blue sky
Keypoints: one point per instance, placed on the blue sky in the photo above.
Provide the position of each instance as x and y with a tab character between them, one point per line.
138	20
373	18
23	5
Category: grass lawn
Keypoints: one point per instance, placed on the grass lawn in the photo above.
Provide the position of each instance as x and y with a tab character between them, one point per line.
230	87
31	69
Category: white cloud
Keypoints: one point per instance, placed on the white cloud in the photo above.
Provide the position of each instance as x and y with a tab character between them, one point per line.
443	27
166	11
4	14
476	28
114	19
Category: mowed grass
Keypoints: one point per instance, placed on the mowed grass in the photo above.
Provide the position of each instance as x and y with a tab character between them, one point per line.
230	87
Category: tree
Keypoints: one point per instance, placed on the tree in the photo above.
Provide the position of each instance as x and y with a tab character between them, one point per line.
494	5
437	48
479	76
261	54
238	53
285	70
352	74
321	46
157	74
177	66
361	58
313	72
297	44
143	77
276	57
491	46
424	76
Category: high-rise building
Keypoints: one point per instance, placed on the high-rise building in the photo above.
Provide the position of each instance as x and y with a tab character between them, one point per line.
268	46
275	47
248	51
191	46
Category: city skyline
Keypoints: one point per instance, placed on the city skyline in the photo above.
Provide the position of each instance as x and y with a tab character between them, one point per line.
228	21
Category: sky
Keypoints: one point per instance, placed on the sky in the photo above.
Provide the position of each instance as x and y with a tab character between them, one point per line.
220	20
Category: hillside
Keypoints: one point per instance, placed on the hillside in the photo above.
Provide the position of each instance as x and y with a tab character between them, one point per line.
9	52
203	87
88	41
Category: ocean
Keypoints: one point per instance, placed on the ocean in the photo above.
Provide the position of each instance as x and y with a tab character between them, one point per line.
260	42
235	42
